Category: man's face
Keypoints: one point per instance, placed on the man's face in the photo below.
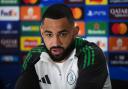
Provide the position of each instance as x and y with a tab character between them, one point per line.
58	34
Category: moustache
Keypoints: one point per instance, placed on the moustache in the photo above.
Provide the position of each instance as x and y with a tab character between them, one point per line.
56	47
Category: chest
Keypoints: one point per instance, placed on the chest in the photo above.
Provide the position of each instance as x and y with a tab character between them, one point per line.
57	76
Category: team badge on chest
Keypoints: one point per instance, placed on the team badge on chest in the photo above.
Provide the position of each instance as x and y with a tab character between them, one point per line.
71	78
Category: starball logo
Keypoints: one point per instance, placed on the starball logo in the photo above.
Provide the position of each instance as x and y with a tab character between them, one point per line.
118	13
9	28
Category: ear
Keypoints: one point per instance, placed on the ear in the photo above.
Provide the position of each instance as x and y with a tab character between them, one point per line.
75	31
41	30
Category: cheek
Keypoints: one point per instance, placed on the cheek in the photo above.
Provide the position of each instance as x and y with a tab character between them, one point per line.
47	44
67	42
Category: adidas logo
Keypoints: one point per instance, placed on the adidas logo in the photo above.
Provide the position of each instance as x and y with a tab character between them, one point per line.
45	80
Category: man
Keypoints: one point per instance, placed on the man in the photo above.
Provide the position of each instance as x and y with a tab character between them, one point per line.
63	61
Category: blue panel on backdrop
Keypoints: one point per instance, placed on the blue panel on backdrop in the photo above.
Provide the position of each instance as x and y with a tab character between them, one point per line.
9	58
96	13
48	2
120	73
10	28
9	45
118	1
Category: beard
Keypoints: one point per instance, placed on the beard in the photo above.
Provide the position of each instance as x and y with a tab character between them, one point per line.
64	53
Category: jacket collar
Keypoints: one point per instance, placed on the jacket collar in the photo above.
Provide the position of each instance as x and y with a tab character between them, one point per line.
44	57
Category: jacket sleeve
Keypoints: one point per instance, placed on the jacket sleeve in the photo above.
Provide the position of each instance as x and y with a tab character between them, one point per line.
95	75
28	80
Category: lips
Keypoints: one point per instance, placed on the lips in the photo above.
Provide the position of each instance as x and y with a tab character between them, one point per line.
56	51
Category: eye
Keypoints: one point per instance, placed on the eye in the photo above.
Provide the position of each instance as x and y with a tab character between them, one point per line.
49	35
63	34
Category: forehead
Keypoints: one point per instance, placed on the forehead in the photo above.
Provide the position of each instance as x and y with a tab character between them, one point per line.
61	23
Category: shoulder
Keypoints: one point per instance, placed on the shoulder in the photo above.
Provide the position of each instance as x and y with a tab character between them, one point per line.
92	54
92	65
33	56
38	49
84	45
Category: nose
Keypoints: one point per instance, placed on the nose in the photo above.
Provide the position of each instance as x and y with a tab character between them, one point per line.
56	41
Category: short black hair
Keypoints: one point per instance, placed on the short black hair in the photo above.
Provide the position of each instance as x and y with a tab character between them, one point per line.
57	11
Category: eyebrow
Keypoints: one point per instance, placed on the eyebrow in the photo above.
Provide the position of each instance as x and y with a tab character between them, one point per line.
46	31
64	30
